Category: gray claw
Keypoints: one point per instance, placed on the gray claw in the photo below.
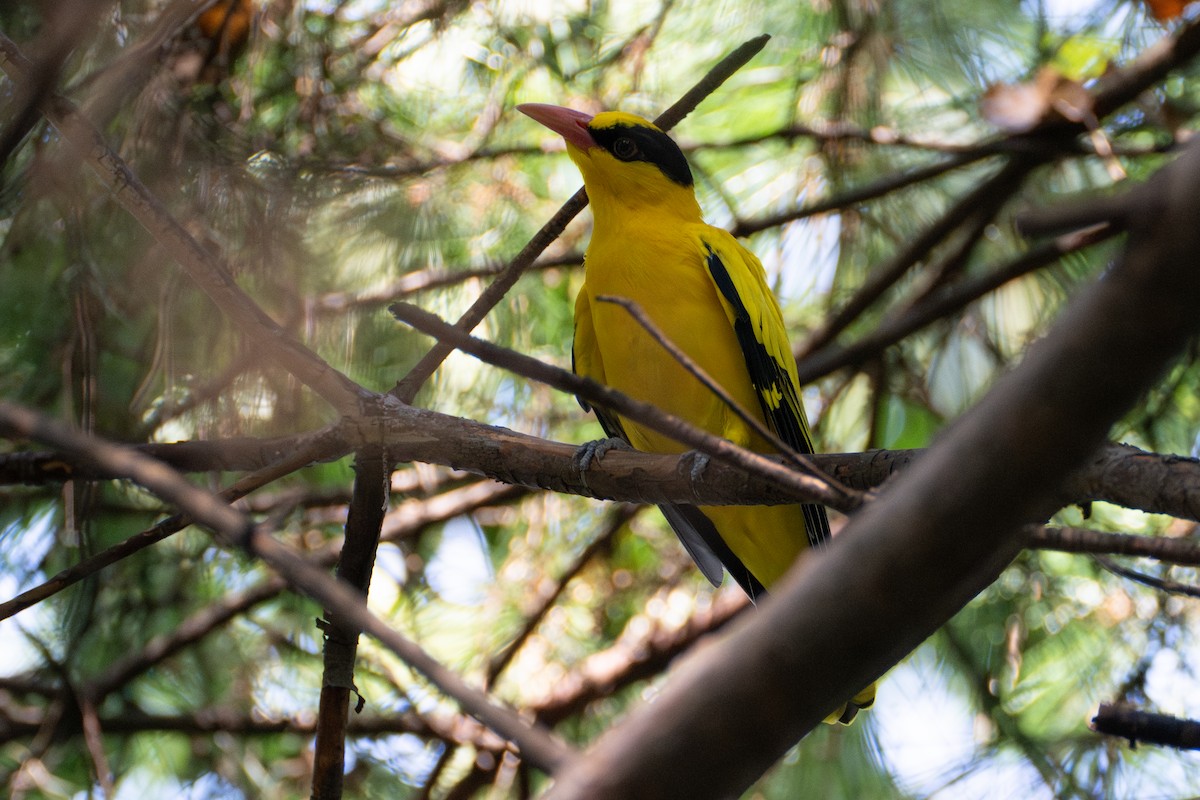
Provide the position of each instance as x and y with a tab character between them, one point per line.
694	462
591	452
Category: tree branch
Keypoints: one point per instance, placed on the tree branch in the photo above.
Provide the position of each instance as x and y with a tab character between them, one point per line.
941	303
906	554
1158	584
826	491
92	565
408	386
233	529
618	519
1113	91
1120	474
187	632
1185	552
208	271
363	524
1119	719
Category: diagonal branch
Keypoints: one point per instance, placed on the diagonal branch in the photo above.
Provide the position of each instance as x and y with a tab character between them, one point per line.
1160	584
940	303
983	201
1117	88
187	632
90	566
906	553
411	383
537	746
210	272
618	519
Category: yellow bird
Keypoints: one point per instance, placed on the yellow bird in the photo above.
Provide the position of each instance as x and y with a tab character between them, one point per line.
709	295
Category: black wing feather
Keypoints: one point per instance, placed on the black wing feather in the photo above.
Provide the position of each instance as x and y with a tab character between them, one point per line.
768	376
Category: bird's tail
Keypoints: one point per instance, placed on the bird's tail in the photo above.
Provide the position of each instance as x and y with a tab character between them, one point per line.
846	714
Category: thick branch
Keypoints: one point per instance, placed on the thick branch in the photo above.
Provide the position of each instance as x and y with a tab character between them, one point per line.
363	524
908	556
1119	474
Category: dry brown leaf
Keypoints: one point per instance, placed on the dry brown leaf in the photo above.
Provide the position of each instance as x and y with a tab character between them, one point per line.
1050	96
1164	10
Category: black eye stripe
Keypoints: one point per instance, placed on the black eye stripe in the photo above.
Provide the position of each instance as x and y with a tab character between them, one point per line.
638	143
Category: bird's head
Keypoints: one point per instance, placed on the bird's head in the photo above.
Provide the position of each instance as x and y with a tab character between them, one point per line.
626	161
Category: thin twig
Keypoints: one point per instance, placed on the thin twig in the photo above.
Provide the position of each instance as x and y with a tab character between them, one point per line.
1184	552
210	272
619	518
538	746
63	28
1161	584
826	492
801	460
187	632
941	303
93	737
139	541
408	386
1114	90
604	673
852	197
422	280
416	515
986	198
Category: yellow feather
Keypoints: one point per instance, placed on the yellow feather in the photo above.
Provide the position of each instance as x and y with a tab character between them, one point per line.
650	245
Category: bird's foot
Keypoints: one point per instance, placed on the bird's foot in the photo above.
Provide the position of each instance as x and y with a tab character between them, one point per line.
590	453
693	463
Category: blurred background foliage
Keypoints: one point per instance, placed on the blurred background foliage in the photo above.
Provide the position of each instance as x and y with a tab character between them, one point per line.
343	155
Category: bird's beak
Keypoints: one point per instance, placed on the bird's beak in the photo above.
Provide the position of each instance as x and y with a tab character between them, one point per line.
570	124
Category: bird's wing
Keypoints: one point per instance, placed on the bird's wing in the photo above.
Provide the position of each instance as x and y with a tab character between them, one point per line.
694	530
586	363
754	313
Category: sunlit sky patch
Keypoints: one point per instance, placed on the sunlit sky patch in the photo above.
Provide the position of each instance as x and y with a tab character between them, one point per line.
460	571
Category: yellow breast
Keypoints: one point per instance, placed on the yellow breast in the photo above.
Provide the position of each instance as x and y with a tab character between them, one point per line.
664	273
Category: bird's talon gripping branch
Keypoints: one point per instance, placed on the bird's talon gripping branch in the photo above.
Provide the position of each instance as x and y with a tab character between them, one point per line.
693	463
591	452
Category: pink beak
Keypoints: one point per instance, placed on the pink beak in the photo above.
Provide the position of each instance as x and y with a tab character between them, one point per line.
570	124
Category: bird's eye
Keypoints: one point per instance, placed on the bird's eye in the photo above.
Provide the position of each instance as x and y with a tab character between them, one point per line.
625	149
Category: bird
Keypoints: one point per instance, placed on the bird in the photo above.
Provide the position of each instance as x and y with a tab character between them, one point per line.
707	294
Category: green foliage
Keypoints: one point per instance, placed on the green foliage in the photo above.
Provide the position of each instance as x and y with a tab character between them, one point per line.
352	157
